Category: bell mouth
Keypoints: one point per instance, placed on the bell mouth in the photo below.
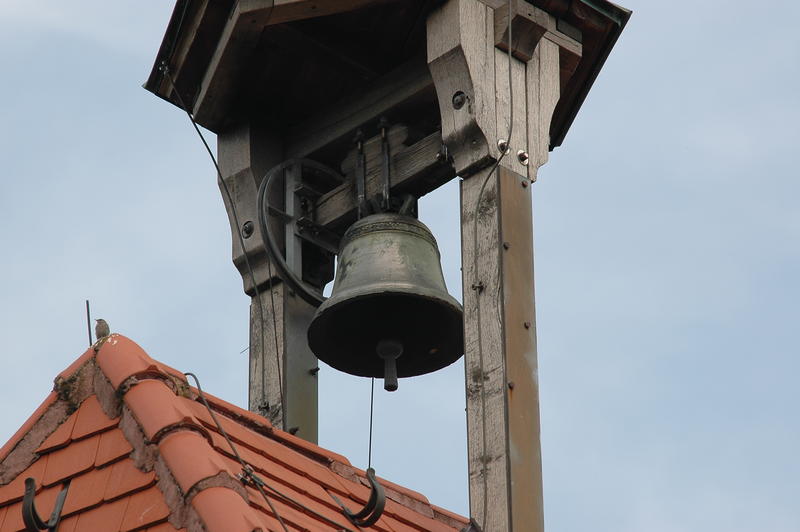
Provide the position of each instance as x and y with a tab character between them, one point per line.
346	332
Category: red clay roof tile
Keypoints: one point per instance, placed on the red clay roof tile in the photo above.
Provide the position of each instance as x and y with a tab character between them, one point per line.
164	527
109	492
86	490
61	437
145	508
121	358
190	458
68	524
156	408
67	462
13	520
14	490
91	419
113	446
104	518
126	478
223	510
23	430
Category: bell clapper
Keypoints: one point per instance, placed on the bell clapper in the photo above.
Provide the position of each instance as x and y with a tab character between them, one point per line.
389	351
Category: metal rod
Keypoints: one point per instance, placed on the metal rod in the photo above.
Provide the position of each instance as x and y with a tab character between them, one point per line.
385	159
89	323
361	175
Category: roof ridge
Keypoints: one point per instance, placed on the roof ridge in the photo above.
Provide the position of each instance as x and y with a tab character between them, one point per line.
158	426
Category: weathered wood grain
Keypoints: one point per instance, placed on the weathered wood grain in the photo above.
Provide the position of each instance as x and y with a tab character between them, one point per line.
277	376
414	169
461	59
497	258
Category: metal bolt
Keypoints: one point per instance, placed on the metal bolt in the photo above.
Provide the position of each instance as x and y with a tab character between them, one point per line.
524	183
523	157
506	245
247	229
510	385
502	145
459	99
527	324
314	371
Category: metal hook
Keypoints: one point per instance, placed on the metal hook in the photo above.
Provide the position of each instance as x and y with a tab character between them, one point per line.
373	510
34	523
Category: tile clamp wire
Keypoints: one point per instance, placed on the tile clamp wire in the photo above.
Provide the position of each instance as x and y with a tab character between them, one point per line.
248	474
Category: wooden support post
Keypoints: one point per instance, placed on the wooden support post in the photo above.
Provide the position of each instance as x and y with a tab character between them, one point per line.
282	370
497	247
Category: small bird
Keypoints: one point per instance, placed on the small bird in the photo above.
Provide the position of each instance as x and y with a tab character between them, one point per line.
101	330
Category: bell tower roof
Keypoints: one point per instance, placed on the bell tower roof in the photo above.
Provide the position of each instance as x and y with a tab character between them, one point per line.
301	55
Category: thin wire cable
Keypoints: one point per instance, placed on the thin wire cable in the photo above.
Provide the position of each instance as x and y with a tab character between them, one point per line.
477	285
249	473
371	410
260	305
247	469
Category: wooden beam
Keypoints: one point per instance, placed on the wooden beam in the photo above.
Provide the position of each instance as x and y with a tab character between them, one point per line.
342	120
239	39
497	246
282	384
417	169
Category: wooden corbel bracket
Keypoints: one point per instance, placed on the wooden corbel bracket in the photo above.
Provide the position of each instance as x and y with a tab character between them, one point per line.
468	61
529	25
462	67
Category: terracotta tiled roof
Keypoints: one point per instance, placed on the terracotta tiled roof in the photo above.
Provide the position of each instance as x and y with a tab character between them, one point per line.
142	452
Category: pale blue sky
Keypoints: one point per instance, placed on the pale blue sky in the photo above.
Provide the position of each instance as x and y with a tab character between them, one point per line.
667	260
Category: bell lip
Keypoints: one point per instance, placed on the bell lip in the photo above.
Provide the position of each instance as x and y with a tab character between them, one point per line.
360	292
321	317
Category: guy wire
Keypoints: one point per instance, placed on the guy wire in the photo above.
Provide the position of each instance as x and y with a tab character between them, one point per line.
249	473
165	70
484	435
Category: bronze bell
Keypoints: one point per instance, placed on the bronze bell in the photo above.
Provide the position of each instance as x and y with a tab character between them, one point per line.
389	314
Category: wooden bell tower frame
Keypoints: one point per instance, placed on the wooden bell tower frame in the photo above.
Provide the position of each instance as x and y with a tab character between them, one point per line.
297	79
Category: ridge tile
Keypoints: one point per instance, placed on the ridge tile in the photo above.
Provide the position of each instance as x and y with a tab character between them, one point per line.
120	358
190	458
156	407
223	510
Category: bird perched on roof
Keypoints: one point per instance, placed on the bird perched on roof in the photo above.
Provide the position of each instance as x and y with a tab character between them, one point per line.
101	330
